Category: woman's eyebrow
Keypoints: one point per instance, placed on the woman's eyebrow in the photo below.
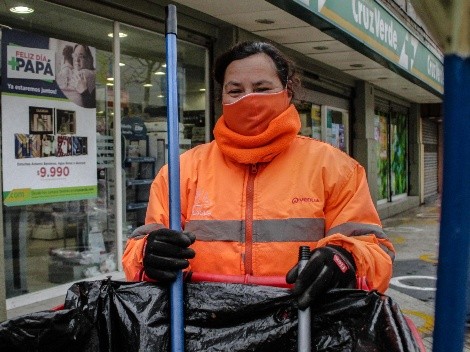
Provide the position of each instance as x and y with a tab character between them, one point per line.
254	84
232	83
262	82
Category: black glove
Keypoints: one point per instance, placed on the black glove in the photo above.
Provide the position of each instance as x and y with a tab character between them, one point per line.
166	253
328	267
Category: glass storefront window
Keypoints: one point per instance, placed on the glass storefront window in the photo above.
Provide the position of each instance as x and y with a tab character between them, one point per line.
381	127
144	104
57	235
53	242
398	154
324	123
307	117
392	155
336	127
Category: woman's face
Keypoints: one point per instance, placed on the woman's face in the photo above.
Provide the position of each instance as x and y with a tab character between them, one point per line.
80	58
254	74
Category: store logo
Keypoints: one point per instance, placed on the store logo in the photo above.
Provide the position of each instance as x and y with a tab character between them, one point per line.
30	63
202	204
296	200
408	52
373	21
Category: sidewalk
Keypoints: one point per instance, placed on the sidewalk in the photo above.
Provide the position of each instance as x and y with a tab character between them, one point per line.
415	235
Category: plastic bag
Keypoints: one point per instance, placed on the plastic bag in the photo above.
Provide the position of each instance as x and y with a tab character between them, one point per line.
121	316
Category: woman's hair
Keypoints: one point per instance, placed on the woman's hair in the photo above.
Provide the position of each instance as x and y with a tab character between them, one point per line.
284	66
88	55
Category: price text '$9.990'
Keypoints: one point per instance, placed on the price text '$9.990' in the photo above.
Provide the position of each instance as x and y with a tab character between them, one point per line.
53	171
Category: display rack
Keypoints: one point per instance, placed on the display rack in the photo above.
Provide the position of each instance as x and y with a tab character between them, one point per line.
145	176
139	175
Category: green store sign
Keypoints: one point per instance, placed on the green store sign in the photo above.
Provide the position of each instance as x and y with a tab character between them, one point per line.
373	25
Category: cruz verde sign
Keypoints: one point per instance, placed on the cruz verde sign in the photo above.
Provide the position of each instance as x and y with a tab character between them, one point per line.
372	24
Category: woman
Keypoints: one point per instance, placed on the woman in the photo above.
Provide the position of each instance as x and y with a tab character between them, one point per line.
256	193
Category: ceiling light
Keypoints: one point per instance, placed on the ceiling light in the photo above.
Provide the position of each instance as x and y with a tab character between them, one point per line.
110	84
21	9
110	78
264	21
357	65
321	47
163	65
122	64
202	89
147	84
121	35
160	96
160	73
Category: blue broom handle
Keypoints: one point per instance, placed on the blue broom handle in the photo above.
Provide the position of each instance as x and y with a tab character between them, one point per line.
176	288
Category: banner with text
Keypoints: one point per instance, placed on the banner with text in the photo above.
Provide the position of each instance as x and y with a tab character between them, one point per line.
48	120
371	23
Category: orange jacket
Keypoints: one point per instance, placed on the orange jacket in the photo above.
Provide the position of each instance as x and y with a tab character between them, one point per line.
251	219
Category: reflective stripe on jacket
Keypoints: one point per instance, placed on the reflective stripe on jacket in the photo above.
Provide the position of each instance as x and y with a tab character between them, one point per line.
251	219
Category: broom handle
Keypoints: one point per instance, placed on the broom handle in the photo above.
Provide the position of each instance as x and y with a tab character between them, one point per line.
304	342
176	288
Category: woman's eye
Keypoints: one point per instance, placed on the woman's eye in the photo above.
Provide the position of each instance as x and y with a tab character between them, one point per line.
261	89
234	92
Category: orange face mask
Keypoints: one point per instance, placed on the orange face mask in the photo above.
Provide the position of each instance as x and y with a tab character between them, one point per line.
251	114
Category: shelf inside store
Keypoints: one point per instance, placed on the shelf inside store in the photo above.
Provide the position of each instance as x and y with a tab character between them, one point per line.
136	206
139	182
140	159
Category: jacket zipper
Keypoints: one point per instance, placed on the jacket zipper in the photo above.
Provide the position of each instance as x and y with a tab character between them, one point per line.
250	188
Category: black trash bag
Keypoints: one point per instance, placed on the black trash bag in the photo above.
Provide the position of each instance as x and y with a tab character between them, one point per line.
121	316
356	320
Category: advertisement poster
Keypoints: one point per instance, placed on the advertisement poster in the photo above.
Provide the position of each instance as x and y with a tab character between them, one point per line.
382	160
398	154
48	120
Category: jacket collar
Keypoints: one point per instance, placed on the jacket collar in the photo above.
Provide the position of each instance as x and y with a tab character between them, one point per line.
262	147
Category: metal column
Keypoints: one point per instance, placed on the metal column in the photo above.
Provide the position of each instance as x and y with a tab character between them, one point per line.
454	242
